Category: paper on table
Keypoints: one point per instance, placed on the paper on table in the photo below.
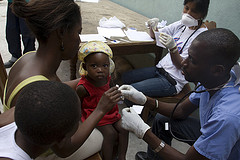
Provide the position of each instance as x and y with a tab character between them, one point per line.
95	1
110	32
134	35
92	37
137	108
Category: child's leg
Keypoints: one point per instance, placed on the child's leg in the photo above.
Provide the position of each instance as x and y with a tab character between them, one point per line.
123	140
110	135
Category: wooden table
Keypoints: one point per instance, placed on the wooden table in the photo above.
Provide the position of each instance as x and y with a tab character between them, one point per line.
93	12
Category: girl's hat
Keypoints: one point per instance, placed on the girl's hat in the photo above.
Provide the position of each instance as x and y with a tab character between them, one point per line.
94	47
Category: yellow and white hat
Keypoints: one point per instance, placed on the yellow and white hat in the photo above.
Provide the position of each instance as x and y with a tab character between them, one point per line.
94	47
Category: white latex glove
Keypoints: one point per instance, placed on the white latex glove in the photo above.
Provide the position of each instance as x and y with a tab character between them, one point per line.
167	40
131	121
153	23
132	94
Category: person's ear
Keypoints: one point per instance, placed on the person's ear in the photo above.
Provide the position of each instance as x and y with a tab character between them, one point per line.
218	70
60	32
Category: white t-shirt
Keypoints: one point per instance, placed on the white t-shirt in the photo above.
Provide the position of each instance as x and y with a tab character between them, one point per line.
8	146
180	33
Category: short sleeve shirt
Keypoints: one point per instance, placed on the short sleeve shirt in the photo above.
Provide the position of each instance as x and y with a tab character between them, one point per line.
220	122
180	34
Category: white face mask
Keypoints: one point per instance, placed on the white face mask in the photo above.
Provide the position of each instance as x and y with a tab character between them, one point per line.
188	20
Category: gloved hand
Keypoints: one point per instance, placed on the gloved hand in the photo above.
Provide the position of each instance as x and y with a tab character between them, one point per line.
167	40
132	94
153	23
131	121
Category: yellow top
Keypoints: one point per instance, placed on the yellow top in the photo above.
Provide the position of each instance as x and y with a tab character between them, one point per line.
19	87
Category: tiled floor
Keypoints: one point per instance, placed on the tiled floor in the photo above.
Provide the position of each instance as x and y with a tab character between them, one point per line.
135	144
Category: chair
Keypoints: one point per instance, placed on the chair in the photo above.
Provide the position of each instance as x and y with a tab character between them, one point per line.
3	77
169	99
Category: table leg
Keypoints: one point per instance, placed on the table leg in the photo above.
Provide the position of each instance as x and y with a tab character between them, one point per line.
158	54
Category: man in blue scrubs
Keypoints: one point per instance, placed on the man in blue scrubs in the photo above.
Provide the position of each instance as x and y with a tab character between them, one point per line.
212	62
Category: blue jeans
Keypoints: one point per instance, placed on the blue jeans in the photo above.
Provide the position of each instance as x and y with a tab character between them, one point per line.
149	81
14	27
185	129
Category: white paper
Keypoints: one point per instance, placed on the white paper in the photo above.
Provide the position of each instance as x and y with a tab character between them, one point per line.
134	35
110	32
138	109
94	1
112	22
92	37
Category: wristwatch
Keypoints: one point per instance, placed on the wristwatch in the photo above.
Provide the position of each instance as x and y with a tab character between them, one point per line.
160	147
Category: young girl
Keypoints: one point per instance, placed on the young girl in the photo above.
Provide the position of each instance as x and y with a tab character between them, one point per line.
95	71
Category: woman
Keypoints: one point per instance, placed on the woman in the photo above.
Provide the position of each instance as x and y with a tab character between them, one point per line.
56	24
57	30
165	78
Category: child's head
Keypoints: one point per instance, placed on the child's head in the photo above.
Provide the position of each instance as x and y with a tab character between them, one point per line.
46	112
95	57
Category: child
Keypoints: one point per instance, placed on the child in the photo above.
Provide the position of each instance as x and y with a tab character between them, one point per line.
95	72
47	116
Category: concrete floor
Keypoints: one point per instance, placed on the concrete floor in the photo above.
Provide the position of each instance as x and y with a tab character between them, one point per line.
135	144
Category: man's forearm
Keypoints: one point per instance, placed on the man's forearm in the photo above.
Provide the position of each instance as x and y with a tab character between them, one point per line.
167	152
162	107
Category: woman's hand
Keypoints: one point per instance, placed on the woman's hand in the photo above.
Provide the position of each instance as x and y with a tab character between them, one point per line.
167	41
210	25
109	99
153	23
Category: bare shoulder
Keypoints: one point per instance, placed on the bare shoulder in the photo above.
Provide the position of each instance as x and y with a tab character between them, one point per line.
81	91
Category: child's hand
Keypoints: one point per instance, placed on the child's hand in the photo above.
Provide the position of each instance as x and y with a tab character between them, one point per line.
109	99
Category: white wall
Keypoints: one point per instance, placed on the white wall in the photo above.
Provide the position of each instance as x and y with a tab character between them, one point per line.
226	13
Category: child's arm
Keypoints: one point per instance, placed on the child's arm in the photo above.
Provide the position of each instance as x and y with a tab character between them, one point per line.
106	103
72	83
81	92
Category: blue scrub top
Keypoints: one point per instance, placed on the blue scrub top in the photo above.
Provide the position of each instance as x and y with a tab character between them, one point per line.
220	122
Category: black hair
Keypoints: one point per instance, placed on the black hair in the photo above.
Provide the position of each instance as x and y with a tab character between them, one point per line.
45	16
201	6
46	111
222	44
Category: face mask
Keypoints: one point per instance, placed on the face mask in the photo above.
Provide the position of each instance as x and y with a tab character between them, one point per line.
188	20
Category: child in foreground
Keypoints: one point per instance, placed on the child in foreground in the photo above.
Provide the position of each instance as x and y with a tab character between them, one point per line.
95	69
